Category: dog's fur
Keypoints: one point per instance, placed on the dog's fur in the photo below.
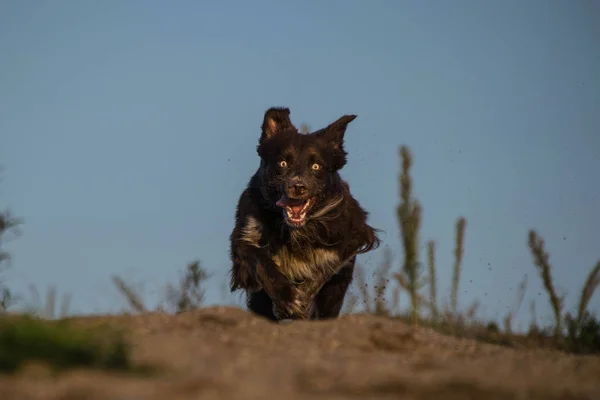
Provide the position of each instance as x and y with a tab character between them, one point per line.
295	259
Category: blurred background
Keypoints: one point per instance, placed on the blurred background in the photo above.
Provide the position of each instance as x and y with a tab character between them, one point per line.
128	130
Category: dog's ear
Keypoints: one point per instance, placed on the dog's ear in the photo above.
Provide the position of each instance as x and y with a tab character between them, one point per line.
276	120
334	132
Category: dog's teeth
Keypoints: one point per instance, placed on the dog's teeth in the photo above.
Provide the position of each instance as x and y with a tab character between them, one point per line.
306	205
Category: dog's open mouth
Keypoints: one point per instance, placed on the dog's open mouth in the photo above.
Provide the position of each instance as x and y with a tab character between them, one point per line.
294	210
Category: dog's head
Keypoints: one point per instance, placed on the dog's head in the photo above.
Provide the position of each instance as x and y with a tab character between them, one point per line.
299	171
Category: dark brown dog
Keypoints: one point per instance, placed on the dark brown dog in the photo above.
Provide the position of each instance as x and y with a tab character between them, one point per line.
298	229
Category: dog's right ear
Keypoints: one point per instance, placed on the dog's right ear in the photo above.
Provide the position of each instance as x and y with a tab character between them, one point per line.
276	119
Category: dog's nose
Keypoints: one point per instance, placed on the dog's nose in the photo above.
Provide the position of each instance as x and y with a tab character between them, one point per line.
299	189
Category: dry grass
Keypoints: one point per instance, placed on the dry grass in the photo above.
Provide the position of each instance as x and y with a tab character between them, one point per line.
409	219
582	335
8	224
583	330
461	224
376	302
187	295
513	312
591	284
48	309
541	259
432	280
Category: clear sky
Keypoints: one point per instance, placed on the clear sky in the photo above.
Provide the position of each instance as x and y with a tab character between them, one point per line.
128	130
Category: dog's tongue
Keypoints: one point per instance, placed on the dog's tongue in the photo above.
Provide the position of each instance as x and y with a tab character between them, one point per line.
293	204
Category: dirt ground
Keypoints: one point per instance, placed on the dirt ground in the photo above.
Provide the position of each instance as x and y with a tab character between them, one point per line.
227	353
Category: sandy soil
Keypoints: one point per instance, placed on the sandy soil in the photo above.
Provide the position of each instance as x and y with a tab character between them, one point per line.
227	353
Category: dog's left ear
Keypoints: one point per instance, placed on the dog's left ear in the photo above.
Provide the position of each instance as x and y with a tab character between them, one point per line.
334	132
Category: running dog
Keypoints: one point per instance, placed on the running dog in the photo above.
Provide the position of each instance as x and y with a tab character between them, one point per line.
297	228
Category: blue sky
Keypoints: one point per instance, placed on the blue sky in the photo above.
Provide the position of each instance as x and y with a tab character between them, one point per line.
128	130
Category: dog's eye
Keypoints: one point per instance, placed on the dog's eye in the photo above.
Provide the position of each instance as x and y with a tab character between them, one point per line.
316	167
282	164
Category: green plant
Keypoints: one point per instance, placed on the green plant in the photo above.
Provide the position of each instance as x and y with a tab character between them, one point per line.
24	339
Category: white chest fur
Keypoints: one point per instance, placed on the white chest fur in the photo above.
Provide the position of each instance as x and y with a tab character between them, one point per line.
303	266
296	266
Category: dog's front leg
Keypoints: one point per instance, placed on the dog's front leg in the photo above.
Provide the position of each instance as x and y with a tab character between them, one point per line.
243	270
253	270
310	289
288	300
325	280
330	298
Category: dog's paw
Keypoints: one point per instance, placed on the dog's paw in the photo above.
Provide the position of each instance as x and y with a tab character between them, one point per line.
294	309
